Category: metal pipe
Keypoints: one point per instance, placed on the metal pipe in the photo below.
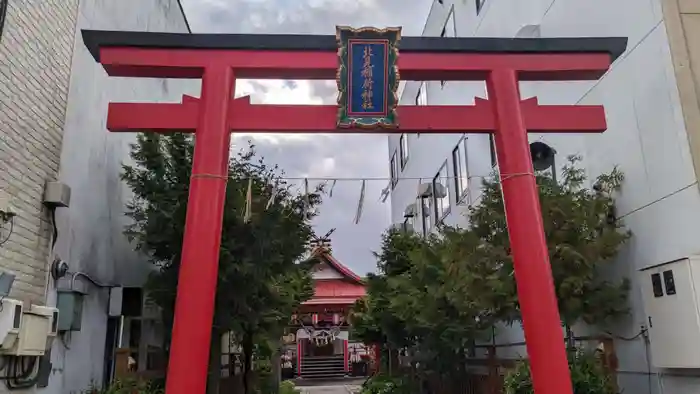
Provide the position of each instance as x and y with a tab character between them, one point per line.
90	279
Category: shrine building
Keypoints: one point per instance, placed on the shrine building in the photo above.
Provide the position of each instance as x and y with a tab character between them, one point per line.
323	347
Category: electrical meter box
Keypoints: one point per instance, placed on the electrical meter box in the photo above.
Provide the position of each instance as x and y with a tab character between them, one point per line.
70	306
671	296
10	323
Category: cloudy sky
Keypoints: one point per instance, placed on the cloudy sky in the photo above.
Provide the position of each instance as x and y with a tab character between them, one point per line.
327	155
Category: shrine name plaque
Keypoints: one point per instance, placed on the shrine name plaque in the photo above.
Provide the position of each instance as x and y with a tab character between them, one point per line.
368	77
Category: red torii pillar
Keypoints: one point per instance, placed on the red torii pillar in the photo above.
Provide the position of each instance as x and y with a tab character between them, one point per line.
219	59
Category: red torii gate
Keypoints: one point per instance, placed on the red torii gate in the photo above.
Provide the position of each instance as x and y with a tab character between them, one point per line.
219	59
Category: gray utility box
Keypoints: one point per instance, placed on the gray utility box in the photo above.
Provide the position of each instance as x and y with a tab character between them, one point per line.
70	307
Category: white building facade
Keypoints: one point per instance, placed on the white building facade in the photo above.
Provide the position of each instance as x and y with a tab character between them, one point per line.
651	102
53	109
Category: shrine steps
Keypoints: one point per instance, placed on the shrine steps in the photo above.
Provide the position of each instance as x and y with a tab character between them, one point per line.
330	367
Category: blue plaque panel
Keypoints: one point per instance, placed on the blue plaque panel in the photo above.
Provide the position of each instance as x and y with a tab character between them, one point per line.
368	77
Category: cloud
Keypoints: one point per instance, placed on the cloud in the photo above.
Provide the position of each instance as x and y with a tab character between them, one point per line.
304	155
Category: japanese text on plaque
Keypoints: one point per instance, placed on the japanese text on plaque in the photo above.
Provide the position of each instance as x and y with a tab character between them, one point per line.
367	79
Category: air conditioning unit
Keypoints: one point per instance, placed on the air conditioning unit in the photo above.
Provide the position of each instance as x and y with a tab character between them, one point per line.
36	333
10	323
53	324
410	211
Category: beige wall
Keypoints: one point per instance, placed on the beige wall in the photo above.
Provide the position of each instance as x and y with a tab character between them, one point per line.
36	49
682	19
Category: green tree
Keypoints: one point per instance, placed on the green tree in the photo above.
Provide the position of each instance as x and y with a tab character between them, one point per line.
260	281
583	237
588	375
440	293
451	296
434	295
373	319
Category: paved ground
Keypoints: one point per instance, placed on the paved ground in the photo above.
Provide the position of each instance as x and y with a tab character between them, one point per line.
330	389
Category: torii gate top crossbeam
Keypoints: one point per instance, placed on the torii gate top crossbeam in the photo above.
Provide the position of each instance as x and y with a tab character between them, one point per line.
270	56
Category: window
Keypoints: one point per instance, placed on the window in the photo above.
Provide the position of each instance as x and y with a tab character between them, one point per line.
492	150
403	149
460	170
394	170
400	90
418	212
479	5
409	223
441	196
426	214
449	30
3	12
421	98
422	95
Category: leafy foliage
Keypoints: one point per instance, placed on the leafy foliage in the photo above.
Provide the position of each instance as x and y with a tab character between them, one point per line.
384	384
448	297
374	320
288	387
435	294
588	376
128	387
439	294
260	280
583	236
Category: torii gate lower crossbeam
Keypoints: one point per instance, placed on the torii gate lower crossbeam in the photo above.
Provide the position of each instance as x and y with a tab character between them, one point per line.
220	59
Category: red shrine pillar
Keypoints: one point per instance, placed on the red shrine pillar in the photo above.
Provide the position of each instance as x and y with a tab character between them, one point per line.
194	307
346	356
533	274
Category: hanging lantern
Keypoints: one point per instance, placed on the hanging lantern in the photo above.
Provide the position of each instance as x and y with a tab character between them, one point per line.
314	318
336	318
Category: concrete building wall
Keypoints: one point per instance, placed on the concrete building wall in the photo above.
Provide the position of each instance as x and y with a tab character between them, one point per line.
90	231
682	20
36	48
53	106
646	139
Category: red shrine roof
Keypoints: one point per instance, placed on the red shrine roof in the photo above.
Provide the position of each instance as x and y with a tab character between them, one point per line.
334	283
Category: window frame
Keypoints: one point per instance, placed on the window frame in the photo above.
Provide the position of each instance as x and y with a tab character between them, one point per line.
445	206
421	98
421	95
403	150
417	218
393	170
479	6
452	28
426	220
409	223
460	163
3	15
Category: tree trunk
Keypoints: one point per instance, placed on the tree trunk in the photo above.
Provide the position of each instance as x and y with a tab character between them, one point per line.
389	361
214	377
394	363
276	366
247	348
570	339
